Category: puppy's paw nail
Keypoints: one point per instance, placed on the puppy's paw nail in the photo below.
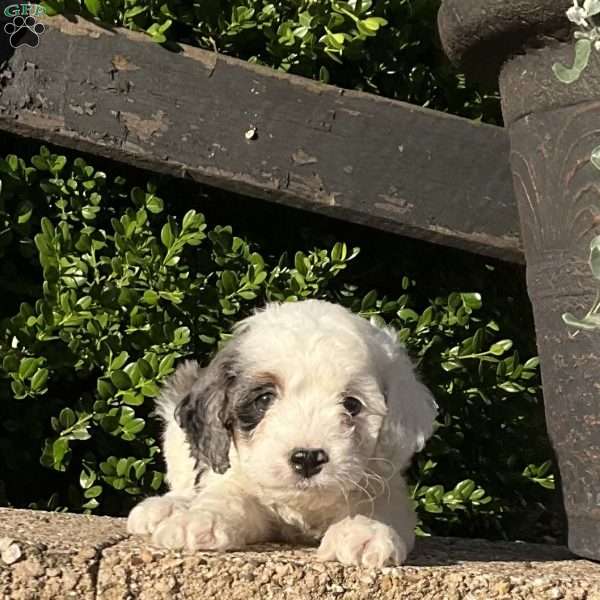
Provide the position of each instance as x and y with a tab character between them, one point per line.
149	513
362	541
195	530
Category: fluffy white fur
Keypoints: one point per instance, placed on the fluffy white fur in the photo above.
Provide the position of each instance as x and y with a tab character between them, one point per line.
314	354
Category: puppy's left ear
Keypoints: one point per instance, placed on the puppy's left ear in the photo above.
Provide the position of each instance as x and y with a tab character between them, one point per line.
204	413
411	408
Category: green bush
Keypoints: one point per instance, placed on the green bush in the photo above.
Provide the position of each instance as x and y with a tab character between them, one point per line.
108	286
386	47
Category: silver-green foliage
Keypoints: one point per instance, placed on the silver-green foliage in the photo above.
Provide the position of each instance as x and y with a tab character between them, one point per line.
591	320
106	286
587	36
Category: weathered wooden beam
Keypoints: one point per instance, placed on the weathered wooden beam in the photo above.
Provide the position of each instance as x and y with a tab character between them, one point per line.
256	131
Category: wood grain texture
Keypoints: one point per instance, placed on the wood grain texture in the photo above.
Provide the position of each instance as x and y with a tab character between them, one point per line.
264	134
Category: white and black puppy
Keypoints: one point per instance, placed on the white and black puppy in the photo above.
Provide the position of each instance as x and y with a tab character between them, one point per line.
298	430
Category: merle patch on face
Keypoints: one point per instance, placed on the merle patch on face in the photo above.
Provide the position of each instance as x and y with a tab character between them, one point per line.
251	411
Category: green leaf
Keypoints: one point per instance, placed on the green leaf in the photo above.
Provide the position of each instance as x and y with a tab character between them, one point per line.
230	282
38	381
471	300
24	212
150	389
433	507
120	360
157	479
145	367
465	488
499	348
166	365
511	387
134	426
52	7
40	163
135	11
477	495
451	365
368	302
339	251
67	418
374	23
60	449
425	319
568	75
19	390
10	363
407	314
150	297
139	468
93	492
532	363
27	367
573	321
86	479
94	6
301	263
167	235
120	380
547	482
105	389
154	204
122	467
133	398
80	434
181	336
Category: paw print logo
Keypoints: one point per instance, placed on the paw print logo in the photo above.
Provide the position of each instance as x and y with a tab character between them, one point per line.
24	31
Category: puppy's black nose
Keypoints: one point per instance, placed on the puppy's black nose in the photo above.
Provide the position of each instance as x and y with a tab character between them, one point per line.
308	461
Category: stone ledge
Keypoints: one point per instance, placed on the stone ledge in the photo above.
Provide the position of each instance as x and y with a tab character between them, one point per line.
55	556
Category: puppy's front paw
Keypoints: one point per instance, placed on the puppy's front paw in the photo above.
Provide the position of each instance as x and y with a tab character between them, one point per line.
148	514
362	541
197	530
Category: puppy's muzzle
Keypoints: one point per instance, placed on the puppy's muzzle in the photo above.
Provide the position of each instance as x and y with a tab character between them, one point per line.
308	461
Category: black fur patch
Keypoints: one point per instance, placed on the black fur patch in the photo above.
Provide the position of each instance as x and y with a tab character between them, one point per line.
203	416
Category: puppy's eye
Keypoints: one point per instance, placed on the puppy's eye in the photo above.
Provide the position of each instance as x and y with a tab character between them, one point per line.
253	411
263	402
352	405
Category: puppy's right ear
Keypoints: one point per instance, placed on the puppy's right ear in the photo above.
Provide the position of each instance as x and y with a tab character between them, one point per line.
203	414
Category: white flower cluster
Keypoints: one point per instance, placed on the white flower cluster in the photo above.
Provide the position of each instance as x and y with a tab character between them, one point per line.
583	16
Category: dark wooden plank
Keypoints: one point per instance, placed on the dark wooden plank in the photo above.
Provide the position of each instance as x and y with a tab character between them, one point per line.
265	134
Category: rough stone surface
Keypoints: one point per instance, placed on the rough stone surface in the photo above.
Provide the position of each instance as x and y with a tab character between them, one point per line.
528	84
52	555
72	556
554	135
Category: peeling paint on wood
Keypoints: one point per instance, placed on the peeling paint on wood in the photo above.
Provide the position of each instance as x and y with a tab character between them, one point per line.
302	158
122	63
144	129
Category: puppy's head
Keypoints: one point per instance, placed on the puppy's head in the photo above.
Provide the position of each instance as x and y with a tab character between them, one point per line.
307	396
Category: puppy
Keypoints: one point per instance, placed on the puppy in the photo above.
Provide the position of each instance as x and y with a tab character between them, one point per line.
298	430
